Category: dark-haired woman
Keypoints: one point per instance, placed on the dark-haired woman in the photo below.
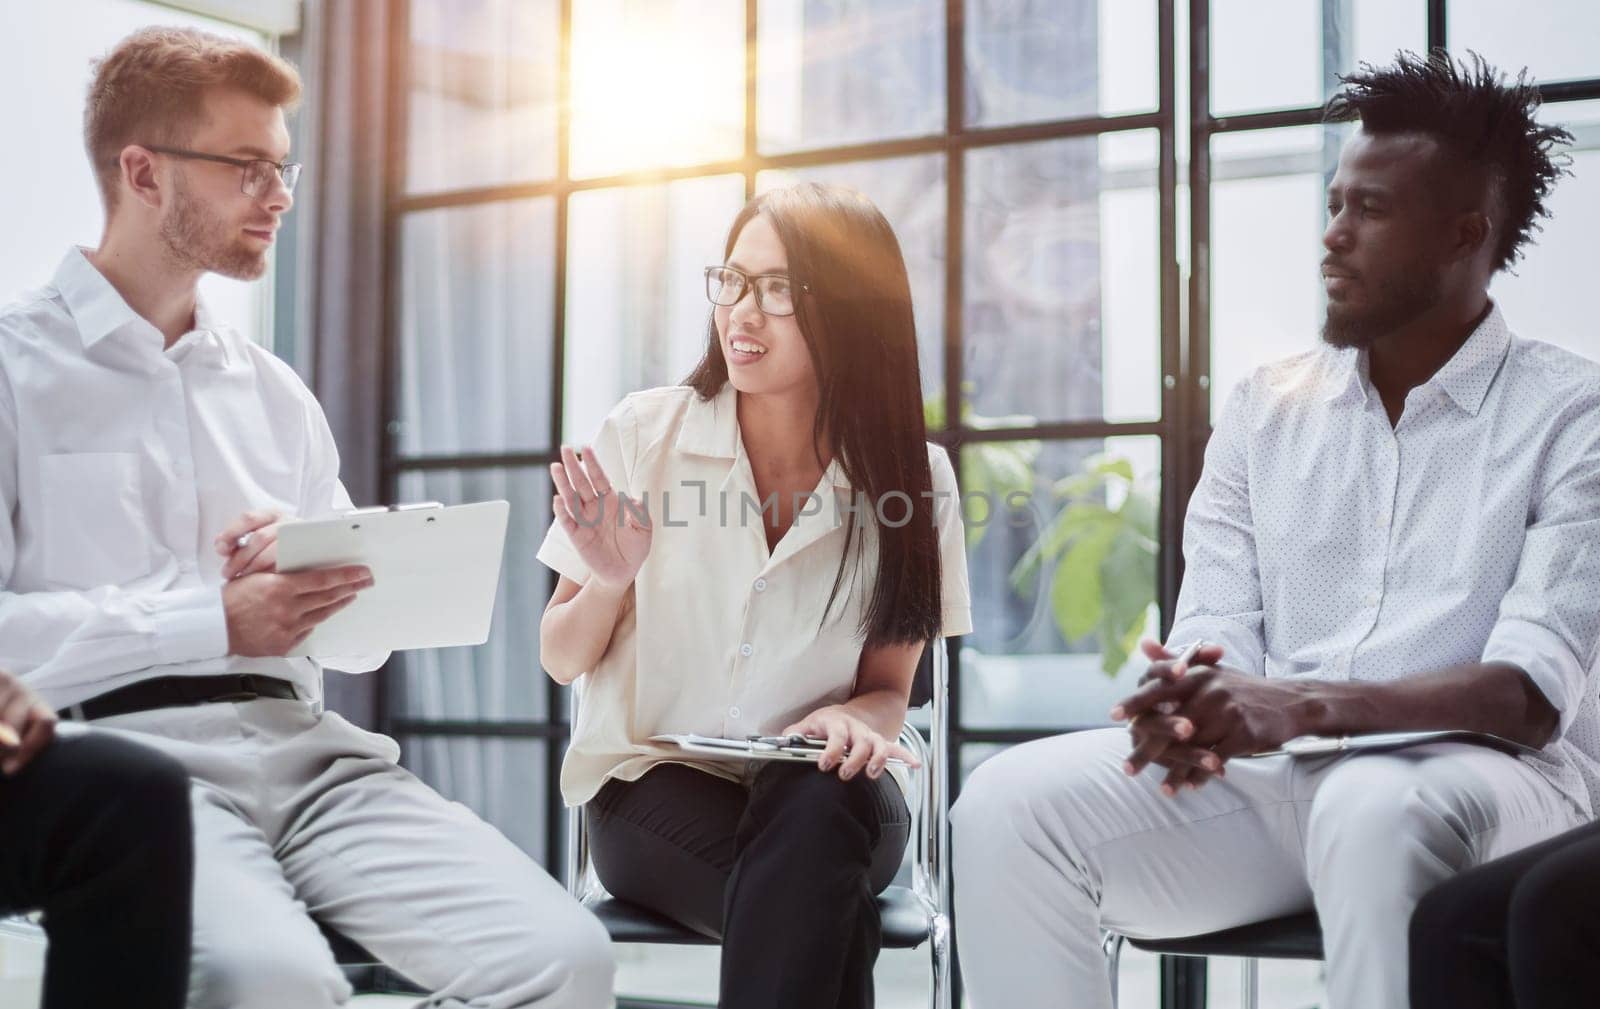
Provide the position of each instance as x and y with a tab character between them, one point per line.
1520	932
765	549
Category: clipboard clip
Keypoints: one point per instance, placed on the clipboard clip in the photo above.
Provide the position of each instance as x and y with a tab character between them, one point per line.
793	741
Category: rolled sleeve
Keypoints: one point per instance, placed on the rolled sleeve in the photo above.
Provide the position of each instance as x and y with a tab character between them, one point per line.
1559	674
1241	645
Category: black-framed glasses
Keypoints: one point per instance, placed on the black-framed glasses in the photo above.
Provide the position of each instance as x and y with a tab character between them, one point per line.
257	175
775	292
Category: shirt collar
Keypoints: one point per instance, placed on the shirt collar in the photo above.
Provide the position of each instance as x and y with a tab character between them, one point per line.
1465	378
711	428
95	305
99	310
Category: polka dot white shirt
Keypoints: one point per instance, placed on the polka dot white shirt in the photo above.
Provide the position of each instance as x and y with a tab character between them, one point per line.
1323	542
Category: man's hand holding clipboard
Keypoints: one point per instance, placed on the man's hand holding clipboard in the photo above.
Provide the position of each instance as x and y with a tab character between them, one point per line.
434	574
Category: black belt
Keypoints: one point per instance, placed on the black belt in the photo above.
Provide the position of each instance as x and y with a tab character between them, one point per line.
179	692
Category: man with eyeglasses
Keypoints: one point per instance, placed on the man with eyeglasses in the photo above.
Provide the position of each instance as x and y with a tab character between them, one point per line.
147	454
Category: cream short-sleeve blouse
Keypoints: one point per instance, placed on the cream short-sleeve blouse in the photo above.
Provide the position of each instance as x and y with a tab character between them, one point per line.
715	636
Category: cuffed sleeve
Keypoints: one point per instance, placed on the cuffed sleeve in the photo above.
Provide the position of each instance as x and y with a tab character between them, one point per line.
188	624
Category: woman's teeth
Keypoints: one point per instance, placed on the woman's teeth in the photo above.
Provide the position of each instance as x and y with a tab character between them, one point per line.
748	348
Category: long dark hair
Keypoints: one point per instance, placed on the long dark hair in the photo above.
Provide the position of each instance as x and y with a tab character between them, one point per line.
858	327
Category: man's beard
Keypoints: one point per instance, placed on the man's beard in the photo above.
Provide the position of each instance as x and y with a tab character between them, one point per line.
1395	303
199	240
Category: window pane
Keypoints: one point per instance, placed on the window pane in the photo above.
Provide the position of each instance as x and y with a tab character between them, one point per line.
476	296
1029	60
639	100
1554	39
1061	587
1267	218
848	71
1544	299
502	780
482	95
1276	55
501	678
637	313
911	194
1062	291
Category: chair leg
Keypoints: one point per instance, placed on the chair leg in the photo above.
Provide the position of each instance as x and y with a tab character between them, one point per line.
1249	983
1112	946
939	993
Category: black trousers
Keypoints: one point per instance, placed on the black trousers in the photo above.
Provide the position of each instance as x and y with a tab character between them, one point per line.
784	873
1522	931
95	831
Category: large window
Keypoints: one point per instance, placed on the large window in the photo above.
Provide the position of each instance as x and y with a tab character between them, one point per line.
1105	227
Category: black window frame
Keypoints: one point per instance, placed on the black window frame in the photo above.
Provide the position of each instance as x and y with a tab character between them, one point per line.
1184	424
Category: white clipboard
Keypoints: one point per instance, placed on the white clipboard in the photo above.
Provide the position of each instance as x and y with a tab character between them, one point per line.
805	749
435	572
1323	746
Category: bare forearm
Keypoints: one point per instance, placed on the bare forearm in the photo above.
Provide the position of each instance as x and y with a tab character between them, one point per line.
574	635
1494	698
883	710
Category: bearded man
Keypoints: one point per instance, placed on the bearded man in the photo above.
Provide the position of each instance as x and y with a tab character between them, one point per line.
147	453
1395	531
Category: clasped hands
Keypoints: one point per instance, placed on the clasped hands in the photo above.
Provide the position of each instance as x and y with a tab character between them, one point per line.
1192	717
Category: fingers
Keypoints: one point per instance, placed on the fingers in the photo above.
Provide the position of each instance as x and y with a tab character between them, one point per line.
863	749
227	540
37	727
305	602
1166	666
838	739
244	559
311	618
567	502
1147	750
1153	649
322	579
890	751
1154	693
594	471
578	475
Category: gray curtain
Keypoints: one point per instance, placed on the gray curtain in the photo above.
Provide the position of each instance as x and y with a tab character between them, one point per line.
338	272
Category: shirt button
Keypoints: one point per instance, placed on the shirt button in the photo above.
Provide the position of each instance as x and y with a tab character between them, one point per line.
1371	599
733	712
747	649
761	585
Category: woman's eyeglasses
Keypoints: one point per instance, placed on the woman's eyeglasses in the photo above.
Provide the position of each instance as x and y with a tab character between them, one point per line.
775	292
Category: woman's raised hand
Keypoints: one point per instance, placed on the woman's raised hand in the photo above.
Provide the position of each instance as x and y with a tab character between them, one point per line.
612	538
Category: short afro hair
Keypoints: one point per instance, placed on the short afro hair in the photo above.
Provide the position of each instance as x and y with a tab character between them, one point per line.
1476	116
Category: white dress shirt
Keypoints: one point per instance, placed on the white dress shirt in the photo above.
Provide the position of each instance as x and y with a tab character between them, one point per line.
120	461
1321	542
717	635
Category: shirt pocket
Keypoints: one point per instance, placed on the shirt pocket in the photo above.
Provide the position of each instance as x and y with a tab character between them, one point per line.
94	528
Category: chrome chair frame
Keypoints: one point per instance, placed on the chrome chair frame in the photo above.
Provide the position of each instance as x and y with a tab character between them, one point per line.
930	795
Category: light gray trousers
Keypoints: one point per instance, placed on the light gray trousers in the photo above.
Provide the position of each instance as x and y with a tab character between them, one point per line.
1053	843
298	813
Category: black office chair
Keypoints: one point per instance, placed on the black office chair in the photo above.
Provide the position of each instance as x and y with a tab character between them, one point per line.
911	915
1296	937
